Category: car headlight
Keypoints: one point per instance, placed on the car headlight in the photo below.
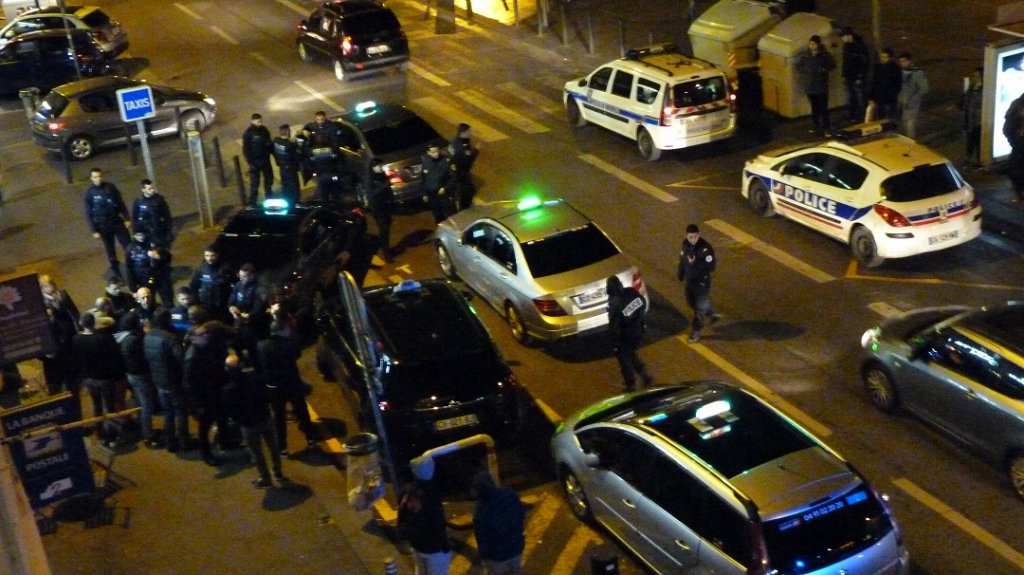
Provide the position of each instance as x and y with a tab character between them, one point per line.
869	340
210	101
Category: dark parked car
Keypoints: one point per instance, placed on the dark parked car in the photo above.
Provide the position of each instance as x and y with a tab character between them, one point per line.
44	60
354	35
442	378
83	116
107	32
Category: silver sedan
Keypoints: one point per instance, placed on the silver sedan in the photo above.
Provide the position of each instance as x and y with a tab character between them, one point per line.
542	265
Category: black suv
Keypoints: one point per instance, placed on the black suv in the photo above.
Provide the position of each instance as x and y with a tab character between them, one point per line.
442	378
43	60
354	35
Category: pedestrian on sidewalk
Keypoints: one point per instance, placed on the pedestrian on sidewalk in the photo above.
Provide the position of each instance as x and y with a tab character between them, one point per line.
211	282
99	366
136	368
498	523
205	377
886	80
62	315
289	162
438	182
248	404
970	107
107	215
256	147
627	310
152	215
696	262
816	64
1013	130
856	64
164	354
463	152
421	521
278	361
913	89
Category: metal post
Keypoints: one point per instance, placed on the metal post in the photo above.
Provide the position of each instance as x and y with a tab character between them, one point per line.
590	34
565	25
64	159
390	566
622	38
542	15
128	142
198	162
220	162
146	158
515	13
469	11
238	178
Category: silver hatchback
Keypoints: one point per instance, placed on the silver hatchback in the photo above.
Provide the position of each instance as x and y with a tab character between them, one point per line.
107	32
542	265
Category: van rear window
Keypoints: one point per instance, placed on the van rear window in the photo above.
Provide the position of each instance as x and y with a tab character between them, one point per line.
697	92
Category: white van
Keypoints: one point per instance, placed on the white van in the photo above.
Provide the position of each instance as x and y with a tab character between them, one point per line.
657	96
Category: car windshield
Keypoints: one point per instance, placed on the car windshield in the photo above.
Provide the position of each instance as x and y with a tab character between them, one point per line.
97	19
264	241
569	250
52	105
827	533
412	132
697	92
921	183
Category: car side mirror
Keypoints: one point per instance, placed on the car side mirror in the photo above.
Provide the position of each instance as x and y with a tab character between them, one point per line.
591	460
920	348
583	82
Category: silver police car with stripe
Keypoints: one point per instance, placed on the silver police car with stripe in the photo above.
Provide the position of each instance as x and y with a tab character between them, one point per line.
882	193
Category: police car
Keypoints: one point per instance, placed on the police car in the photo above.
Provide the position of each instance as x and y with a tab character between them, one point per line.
884	194
657	96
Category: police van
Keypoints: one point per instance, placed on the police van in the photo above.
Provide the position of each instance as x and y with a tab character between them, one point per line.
657	96
884	194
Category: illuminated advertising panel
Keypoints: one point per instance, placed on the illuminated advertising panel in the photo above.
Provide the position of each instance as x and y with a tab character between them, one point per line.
1004	82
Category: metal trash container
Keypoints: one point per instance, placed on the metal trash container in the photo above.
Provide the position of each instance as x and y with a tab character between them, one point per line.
726	34
365	480
29	100
604	560
781	49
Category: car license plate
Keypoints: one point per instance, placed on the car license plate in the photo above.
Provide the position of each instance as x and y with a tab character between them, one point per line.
943	237
590	297
453	422
378	49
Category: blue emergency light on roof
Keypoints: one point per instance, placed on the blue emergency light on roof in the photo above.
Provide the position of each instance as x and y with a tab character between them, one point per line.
406	286
275	206
366	108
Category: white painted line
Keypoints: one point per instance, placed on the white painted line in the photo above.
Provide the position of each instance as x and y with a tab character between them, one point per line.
965	524
488	105
453	114
224	35
538	521
773	252
268	63
294	7
538	101
761	389
334	105
883	309
581	538
187	11
643	186
419	71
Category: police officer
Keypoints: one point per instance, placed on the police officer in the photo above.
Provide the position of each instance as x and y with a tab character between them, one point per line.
289	161
106	213
696	262
149	265
381	198
211	284
248	309
324	159
463	153
627	309
152	215
437	180
256	148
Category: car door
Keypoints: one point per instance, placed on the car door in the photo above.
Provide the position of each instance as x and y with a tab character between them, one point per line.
665	515
472	259
165	121
624	112
610	486
100	117
843	196
503	272
799	194
596	108
322	35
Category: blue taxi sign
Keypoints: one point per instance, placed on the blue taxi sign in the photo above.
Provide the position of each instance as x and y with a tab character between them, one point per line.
136	103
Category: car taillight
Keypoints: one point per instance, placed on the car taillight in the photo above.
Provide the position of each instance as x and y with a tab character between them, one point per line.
54	126
732	101
347	47
891	216
383	406
508	383
99	36
638	281
666	115
549	307
393	176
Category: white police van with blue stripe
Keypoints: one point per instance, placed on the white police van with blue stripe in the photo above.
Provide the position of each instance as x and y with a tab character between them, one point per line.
883	193
657	96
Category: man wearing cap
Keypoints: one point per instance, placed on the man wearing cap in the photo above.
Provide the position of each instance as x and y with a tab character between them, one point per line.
256	147
422	523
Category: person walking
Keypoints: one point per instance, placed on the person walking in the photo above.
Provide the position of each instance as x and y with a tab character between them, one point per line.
256	148
164	353
913	89
815	64
99	366
248	404
62	315
886	80
627	309
856	64
437	182
278	361
106	214
696	262
382	205
211	282
1013	131
970	107
289	161
421	521
152	215
463	152
498	523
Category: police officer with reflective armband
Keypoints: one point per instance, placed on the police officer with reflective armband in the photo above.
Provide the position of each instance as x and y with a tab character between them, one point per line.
696	262
627	310
289	160
438	181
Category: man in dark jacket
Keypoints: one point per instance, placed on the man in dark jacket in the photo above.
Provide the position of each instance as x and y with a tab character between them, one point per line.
149	264
205	378
856	63
815	64
248	308
498	522
256	148
106	213
437	182
136	370
696	262
163	352
152	215
627	309
421	521
289	162
886	82
463	153
278	362
248	403
99	365
211	283
382	204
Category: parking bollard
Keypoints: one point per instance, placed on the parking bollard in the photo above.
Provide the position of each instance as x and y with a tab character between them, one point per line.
390	566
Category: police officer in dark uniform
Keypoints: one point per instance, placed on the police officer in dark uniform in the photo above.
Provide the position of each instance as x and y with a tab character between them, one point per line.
106	213
627	309
696	262
289	162
438	179
211	284
324	159
149	265
382	200
248	308
256	148
152	215
463	152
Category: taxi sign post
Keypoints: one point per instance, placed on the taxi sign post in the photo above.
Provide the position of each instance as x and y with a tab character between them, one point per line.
136	104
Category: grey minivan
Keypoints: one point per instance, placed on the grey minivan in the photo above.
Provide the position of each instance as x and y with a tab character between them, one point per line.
705	477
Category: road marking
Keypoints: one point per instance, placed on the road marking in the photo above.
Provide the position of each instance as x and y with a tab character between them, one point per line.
453	115
419	71
405	269
490	106
539	520
547	410
336	106
395	278
965	524
574	549
883	309
224	35
692	183
643	186
268	63
187	11
763	390
851	273
538	101
774	253
294	7
329	445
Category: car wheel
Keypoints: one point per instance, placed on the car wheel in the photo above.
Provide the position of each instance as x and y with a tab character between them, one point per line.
80	147
760	200
304	54
881	391
1016	470
516	325
572	111
645	143
577	498
193	120
339	71
445	261
864	249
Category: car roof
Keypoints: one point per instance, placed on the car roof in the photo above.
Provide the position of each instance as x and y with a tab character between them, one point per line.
895	153
667	61
78	34
72	89
534	223
384	113
74	10
345	7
